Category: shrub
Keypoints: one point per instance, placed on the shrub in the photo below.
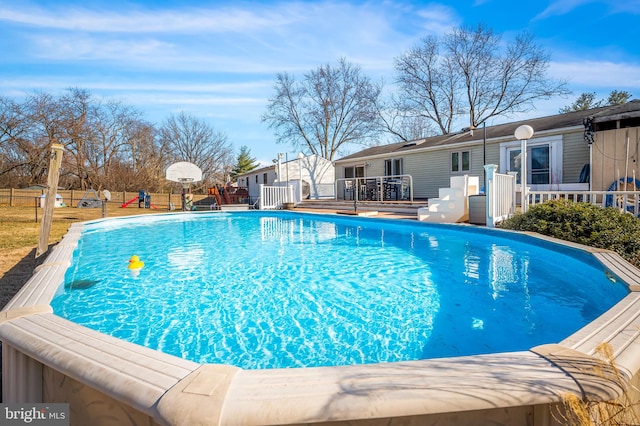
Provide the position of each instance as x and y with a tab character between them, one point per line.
583	223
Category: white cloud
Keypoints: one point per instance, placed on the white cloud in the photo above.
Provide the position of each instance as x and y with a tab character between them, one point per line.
262	38
598	74
439	18
172	86
191	20
563	7
71	47
224	40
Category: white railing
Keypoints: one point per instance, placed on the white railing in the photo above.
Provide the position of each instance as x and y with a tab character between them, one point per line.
375	188
273	197
500	190
628	201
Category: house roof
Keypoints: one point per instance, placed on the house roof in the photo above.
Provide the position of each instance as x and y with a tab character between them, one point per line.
560	121
263	169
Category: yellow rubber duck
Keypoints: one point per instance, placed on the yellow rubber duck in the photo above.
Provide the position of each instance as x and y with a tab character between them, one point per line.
135	263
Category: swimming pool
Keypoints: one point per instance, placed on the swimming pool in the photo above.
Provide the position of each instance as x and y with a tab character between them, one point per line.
47	358
281	290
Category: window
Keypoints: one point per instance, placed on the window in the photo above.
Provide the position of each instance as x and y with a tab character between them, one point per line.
544	161
540	166
256	178
348	173
264	178
393	167
538	163
353	172
460	161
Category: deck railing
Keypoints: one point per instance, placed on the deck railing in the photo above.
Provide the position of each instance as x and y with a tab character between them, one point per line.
626	201
273	197
500	190
375	188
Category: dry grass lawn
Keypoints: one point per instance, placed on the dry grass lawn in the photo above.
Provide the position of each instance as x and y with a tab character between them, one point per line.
19	233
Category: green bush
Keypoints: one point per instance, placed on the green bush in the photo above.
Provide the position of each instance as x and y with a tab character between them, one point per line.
583	223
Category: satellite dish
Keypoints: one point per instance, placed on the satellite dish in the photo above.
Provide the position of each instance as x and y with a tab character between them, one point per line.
107	194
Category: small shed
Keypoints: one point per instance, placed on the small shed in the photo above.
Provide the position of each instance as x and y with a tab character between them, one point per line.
58	202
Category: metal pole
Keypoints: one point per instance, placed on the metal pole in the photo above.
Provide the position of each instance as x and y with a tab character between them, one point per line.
300	177
355	195
523	179
484	151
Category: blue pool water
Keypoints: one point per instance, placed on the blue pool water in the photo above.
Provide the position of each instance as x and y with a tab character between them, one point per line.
270	290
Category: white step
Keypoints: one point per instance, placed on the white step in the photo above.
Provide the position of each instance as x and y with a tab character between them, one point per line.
450	193
451	205
459	182
442	206
425	215
456	182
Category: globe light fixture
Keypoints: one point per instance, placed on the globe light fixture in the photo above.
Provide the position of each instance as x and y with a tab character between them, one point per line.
524	132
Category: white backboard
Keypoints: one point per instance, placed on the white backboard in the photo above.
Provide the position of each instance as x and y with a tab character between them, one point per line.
183	171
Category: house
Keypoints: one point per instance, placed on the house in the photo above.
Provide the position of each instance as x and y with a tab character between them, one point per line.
311	176
582	150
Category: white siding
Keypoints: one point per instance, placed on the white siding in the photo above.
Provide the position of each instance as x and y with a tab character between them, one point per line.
430	172
375	168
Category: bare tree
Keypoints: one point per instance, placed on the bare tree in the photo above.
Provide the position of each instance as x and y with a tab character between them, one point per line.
402	125
77	115
115	143
469	72
46	126
14	147
190	139
107	144
330	107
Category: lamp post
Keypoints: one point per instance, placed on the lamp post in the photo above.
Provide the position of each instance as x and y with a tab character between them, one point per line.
523	134
300	157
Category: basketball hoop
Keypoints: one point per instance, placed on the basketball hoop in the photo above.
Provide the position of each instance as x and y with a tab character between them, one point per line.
184	173
186	182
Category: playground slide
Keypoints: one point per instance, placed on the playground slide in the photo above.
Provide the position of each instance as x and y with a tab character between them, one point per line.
134	199
129	202
227	199
214	191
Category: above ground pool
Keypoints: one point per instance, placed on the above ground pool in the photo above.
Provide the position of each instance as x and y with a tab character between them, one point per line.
263	290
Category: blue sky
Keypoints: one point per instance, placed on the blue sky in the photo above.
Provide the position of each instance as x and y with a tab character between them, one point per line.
218	60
